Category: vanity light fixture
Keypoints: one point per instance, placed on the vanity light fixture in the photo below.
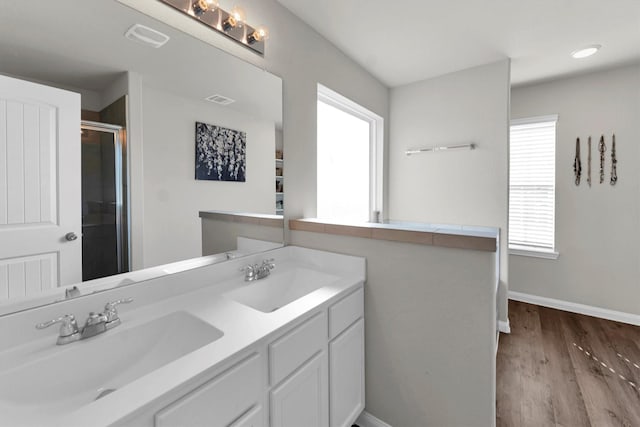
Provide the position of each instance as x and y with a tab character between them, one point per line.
232	24
586	51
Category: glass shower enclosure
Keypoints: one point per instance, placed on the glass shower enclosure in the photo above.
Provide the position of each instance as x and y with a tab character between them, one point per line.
104	218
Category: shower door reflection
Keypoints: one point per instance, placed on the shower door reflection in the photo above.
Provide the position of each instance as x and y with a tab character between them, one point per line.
104	234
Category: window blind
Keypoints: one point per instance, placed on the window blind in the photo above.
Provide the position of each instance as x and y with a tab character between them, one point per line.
532	178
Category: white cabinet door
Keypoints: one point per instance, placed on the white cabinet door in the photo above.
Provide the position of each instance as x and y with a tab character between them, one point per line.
346	376
39	188
301	399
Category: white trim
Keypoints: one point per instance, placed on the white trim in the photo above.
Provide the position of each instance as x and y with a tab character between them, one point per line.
534	253
367	420
533	136
376	144
504	327
603	313
531	120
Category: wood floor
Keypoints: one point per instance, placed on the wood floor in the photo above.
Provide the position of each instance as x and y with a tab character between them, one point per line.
563	369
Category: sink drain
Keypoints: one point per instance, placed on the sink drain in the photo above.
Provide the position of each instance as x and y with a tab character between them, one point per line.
104	392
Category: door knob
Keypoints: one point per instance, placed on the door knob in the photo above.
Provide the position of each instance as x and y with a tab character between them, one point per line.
70	236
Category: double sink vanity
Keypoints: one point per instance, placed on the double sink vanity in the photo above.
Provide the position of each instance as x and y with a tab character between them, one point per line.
271	339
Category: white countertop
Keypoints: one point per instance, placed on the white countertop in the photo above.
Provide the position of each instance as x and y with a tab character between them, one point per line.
461	230
242	326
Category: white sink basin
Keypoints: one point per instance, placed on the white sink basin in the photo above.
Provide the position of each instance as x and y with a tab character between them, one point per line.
64	378
280	288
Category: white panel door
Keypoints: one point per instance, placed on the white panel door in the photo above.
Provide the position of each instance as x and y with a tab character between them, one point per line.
40	188
346	370
301	399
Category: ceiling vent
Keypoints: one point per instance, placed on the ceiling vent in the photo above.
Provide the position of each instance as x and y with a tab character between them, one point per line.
149	36
219	99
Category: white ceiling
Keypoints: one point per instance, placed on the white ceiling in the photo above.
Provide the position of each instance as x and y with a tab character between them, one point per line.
81	44
404	41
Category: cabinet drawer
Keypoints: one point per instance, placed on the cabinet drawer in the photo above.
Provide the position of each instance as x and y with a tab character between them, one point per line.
218	402
253	418
295	347
345	312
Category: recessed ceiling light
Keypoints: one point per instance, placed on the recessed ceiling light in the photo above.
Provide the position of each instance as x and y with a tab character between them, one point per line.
586	51
220	99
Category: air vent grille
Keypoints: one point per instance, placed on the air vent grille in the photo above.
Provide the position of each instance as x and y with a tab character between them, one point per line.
220	99
149	36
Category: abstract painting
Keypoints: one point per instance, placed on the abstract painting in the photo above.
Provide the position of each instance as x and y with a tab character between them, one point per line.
220	153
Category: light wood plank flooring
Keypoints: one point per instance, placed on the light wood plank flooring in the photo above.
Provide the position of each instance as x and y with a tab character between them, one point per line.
562	369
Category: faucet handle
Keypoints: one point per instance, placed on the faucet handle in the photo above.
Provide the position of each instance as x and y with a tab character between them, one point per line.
110	309
112	304
68	326
269	263
250	269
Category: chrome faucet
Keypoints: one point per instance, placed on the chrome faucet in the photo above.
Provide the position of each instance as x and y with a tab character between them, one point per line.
257	272
95	324
68	328
71	292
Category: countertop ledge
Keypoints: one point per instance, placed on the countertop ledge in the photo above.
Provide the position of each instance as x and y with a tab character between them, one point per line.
244	217
449	236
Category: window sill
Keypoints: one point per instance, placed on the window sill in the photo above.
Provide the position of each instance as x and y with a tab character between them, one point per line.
534	253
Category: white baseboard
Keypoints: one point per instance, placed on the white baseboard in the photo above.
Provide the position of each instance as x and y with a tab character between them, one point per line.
603	313
367	420
504	327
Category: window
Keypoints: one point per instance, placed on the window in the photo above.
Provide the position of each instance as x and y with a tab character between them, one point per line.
532	178
349	159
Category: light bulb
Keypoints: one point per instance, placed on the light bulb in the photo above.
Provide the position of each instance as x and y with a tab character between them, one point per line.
259	34
239	15
236	18
200	6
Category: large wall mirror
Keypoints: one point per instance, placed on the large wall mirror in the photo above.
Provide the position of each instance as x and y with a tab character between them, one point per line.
117	193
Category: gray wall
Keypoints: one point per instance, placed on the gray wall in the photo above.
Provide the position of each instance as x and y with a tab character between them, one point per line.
419	373
458	187
219	236
172	197
302	58
429	332
596	228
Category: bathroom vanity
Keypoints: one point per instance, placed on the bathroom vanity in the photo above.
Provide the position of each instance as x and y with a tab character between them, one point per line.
200	347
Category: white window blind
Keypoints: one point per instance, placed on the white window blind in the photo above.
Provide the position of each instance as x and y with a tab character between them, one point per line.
532	179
